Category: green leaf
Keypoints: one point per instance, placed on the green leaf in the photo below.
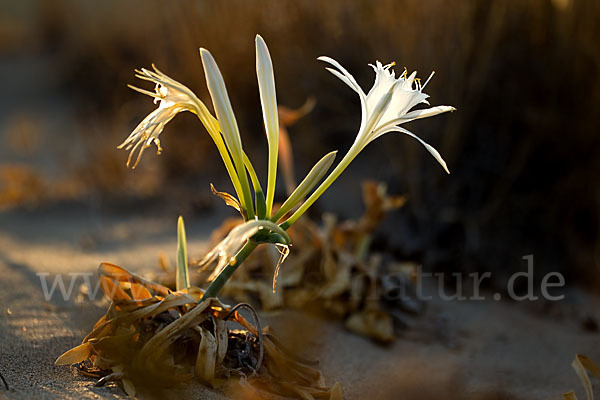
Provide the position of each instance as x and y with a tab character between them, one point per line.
268	101
308	183
182	280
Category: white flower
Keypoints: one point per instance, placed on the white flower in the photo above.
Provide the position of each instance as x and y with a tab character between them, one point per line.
172	98
388	104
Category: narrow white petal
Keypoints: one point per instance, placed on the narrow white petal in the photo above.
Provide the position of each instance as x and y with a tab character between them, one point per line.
428	112
344	79
429	148
408	83
353	84
417	114
349	80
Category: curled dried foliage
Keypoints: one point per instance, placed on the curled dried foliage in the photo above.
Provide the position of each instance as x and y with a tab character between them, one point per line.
228	199
582	365
332	270
154	337
20	185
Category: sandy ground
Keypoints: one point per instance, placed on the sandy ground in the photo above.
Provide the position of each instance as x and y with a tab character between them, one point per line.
463	350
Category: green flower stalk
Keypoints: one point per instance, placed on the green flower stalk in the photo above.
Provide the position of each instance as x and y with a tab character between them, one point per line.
172	98
387	106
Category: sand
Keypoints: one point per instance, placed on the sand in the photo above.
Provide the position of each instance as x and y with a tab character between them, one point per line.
463	350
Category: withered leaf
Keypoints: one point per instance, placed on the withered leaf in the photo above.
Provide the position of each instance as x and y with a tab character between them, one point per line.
336	392
372	323
118	274
228	199
580	364
207	357
139	341
221	338
75	355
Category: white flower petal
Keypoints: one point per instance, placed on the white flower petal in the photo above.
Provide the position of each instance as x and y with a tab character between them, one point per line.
148	131
413	115
429	148
384	80
173	98
349	80
343	79
408	82
402	101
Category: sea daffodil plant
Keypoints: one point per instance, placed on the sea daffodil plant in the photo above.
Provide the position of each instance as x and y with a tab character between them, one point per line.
384	108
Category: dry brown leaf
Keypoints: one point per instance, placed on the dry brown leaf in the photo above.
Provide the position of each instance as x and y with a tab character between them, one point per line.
221	336
146	342
336	392
118	274
128	387
288	117
207	357
228	199
373	323
580	364
75	355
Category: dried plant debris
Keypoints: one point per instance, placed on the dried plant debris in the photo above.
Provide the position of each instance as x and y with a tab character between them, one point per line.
154	337
332	269
582	364
4	382
20	185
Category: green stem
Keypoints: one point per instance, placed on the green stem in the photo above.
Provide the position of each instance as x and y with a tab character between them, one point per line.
259	197
324	185
215	287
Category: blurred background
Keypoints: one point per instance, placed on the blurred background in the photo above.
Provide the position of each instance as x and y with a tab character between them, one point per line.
523	147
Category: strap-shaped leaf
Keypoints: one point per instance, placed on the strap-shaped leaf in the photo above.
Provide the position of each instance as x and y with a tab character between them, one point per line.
182	280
